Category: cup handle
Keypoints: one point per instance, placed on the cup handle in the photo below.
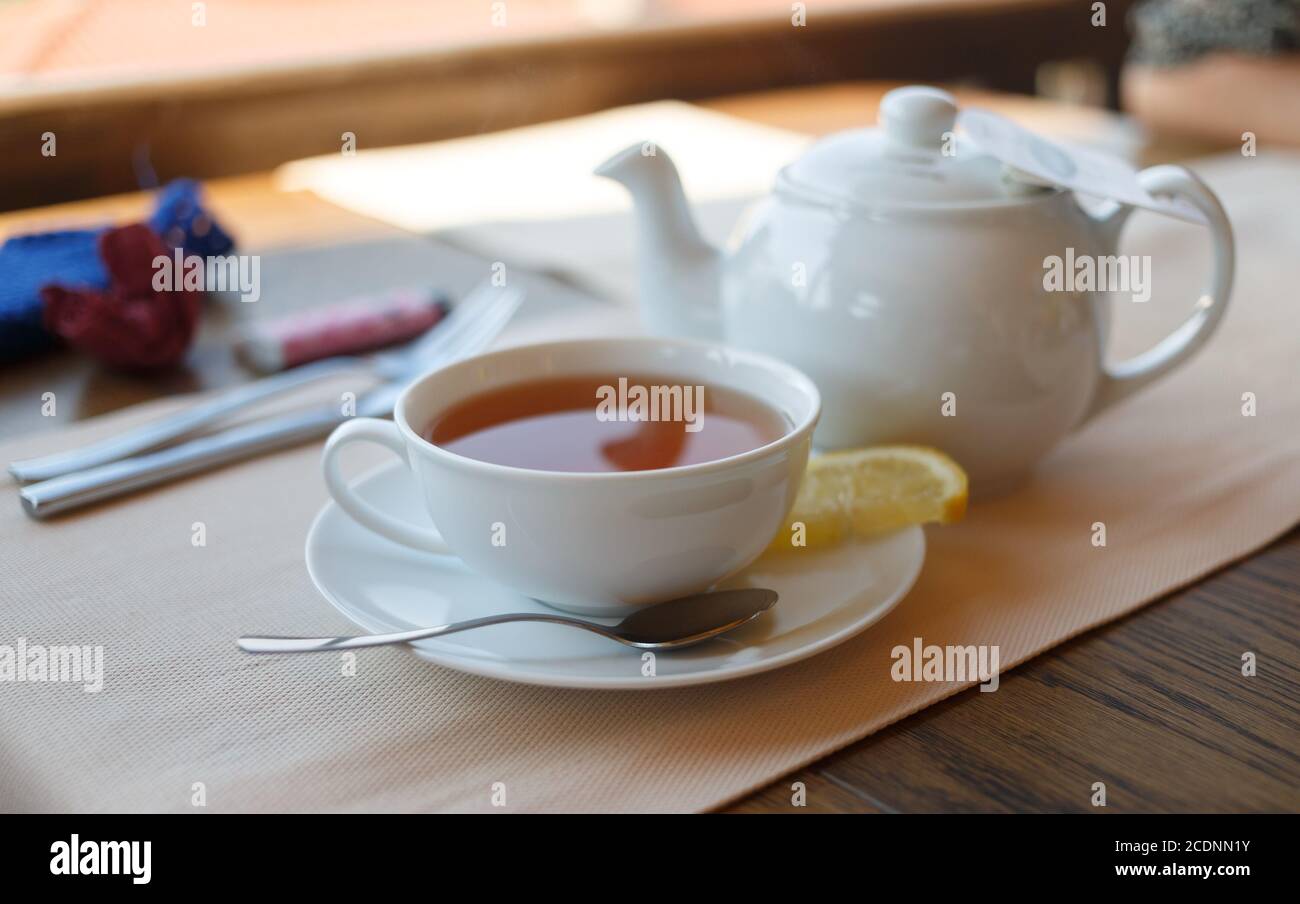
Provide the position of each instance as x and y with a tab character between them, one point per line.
385	433
1124	379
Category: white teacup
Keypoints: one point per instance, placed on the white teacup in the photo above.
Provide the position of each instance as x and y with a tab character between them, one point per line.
593	543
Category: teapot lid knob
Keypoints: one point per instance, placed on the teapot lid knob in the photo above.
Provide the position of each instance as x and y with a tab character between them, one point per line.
918	116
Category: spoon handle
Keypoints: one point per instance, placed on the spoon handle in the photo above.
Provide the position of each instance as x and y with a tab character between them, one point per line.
325	644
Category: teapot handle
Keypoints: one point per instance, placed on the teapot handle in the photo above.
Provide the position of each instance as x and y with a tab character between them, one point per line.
1127	377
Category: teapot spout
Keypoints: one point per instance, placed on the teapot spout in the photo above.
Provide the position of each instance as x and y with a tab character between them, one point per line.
678	270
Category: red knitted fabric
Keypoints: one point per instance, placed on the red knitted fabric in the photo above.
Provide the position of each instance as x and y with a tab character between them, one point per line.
130	325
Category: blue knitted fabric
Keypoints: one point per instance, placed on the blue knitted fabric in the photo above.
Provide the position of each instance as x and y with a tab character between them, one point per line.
28	262
71	258
181	220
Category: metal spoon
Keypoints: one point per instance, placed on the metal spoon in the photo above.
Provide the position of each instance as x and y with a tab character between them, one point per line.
665	626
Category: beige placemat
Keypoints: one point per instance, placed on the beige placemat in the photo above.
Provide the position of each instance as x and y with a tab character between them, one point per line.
1182	480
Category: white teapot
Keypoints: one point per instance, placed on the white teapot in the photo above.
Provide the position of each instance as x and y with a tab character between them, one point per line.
909	283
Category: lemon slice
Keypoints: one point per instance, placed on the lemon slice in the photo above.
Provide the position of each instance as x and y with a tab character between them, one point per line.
864	492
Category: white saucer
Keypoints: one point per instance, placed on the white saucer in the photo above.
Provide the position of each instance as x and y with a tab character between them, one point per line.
826	598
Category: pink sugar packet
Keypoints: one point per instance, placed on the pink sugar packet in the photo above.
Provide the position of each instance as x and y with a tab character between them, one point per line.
354	326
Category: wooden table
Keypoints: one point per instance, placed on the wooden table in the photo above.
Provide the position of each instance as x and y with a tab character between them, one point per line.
1140	702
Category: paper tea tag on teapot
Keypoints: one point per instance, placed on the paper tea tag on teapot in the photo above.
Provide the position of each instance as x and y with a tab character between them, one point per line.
1075	168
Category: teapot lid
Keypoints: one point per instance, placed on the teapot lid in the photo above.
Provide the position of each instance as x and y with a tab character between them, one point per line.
912	159
915	160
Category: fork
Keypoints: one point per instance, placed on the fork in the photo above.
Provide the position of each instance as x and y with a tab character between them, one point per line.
401	363
468	329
